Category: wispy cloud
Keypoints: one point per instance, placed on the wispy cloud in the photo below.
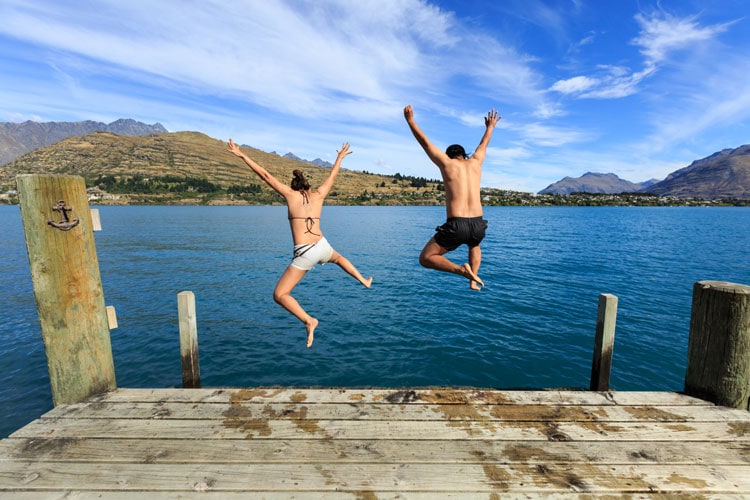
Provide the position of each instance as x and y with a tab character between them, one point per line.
333	58
540	134
661	34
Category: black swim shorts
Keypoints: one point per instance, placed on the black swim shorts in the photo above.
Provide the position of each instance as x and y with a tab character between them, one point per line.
458	231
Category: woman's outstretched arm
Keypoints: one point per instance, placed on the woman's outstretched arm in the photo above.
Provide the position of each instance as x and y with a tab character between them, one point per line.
325	188
280	188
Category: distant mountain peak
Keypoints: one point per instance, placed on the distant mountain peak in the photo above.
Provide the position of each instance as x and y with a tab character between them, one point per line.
724	174
17	139
591	182
317	161
293	156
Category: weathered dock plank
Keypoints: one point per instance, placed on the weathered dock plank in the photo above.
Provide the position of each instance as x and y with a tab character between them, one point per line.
240	427
333	476
378	443
135	450
401	396
373	411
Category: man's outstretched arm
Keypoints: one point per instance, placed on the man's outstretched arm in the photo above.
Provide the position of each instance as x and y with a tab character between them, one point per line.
437	156
489	122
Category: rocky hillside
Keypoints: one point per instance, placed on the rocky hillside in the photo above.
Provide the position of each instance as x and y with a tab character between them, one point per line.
594	183
190	167
725	174
17	139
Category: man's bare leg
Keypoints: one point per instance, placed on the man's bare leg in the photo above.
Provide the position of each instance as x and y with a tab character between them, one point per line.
475	260
347	266
432	258
282	296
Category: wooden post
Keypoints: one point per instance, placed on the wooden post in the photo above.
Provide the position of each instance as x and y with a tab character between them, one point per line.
604	343
191	372
96	221
67	285
111	317
718	366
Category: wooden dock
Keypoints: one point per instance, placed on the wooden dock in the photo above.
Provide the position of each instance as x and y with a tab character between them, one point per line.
372	443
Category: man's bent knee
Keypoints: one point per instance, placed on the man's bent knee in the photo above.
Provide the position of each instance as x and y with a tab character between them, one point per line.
424	261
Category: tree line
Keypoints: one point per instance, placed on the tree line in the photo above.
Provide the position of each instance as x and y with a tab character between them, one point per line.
142	184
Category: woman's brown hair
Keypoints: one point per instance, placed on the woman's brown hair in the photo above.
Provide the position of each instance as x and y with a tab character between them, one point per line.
299	183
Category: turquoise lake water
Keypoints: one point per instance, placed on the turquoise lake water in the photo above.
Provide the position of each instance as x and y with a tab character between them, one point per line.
531	327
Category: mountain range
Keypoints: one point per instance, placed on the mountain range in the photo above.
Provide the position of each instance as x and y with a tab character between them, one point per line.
592	182
17	139
722	175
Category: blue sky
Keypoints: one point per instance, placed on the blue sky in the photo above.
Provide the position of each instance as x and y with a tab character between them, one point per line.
636	88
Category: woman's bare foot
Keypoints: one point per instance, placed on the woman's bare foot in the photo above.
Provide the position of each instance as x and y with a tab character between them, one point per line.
467	273
367	282
310	325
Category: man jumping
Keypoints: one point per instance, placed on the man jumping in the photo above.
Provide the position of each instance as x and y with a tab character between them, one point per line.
463	204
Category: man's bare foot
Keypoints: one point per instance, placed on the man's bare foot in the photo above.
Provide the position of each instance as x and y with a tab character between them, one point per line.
474	285
311	325
367	282
467	272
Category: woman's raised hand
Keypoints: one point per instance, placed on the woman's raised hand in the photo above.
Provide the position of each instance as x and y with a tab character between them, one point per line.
344	151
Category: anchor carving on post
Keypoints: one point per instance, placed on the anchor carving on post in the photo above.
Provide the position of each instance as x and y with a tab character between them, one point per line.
65	224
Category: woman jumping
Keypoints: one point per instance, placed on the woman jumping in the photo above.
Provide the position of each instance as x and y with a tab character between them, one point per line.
310	246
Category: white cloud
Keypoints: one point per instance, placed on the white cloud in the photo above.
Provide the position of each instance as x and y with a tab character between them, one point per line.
574	85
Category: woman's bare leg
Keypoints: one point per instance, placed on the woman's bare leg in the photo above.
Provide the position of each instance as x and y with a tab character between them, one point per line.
347	266
282	296
432	257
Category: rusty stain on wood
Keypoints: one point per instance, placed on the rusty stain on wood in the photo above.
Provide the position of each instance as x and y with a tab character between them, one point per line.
249	394
651	413
498	477
739	429
298	397
676	478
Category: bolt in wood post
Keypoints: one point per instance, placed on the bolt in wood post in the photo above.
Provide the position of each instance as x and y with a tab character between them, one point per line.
191	372
67	285
601	365
718	366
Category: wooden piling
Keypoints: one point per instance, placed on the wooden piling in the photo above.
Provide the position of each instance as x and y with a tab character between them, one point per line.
191	372
718	367
601	365
96	221
67	285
